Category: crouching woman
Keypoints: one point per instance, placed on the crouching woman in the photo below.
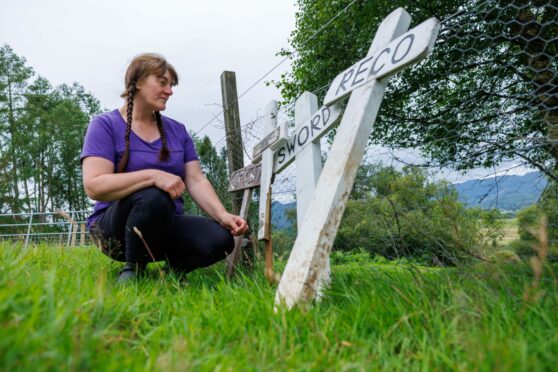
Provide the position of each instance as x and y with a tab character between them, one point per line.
137	165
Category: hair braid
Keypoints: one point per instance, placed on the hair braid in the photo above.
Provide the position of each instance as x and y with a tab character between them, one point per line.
164	154
129	110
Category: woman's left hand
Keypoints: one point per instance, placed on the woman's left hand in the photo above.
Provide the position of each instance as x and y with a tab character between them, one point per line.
235	224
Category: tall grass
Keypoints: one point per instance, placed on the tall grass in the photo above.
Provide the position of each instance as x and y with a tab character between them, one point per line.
60	308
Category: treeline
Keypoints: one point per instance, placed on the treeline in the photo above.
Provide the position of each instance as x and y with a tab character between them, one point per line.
41	136
407	214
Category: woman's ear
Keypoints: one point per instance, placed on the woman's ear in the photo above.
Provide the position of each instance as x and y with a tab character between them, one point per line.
139	84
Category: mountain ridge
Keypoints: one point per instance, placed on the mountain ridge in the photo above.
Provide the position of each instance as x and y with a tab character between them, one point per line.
507	193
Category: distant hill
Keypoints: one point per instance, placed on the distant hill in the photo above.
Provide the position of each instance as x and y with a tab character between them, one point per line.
279	218
509	193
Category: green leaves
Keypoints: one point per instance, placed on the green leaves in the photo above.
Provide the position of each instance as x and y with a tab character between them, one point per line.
405	214
486	94
41	135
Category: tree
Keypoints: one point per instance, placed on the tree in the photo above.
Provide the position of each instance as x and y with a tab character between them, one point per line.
214	167
14	75
41	136
488	93
529	222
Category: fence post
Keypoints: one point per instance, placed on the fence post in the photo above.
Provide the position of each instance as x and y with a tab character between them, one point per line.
28	229
74	229
231	114
70	228
82	234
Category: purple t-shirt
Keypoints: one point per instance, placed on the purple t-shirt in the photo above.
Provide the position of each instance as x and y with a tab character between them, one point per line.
105	139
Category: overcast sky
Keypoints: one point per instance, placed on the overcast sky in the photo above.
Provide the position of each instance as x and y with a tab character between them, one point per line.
92	42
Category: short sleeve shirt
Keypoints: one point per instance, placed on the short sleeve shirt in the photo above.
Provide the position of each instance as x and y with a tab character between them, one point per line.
105	138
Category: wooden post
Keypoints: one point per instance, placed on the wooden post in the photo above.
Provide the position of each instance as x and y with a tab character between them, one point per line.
300	279
82	234
235	155
270	122
308	160
74	229
264	215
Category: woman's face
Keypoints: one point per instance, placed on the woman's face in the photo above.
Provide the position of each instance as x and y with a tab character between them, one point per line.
155	91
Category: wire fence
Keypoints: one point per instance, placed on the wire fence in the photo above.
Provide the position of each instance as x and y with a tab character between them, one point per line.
60	227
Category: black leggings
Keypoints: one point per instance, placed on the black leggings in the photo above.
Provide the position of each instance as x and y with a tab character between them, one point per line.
185	242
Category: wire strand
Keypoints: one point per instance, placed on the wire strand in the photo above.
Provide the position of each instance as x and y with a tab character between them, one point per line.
275	67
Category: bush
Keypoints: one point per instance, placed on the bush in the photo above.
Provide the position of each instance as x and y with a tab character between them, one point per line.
403	214
529	223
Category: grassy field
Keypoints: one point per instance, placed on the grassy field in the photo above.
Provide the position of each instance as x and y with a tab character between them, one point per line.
60	309
509	230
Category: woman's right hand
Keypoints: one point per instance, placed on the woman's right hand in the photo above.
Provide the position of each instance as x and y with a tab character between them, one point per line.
170	183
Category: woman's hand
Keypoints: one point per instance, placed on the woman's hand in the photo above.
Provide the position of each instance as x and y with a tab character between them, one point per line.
170	183
235	224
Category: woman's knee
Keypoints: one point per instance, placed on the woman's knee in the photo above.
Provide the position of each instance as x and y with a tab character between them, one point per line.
223	240
154	200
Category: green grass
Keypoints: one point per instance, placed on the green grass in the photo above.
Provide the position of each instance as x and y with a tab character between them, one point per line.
60	309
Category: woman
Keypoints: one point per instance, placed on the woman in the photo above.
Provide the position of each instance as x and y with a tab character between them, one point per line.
137	164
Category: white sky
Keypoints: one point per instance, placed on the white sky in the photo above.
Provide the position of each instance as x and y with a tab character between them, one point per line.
92	42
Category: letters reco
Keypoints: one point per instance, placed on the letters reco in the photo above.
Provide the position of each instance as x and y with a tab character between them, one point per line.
375	65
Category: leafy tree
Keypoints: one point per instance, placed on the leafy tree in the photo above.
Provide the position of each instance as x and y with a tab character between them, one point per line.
488	92
529	220
214	166
41	135
53	123
14	75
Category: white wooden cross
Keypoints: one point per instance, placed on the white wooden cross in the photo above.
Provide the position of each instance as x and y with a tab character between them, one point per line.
277	150
392	49
273	154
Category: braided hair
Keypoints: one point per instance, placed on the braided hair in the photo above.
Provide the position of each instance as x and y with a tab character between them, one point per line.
164	153
141	67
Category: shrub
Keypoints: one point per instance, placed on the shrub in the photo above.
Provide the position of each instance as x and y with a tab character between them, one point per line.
529	220
403	214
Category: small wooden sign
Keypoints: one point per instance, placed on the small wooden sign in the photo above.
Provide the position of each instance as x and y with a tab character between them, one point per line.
246	178
405	50
266	142
318	125
272	141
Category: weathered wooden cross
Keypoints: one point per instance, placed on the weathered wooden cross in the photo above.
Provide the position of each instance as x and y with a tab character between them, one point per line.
278	150
324	193
391	50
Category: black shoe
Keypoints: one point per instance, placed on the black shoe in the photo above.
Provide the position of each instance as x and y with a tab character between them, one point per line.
131	271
